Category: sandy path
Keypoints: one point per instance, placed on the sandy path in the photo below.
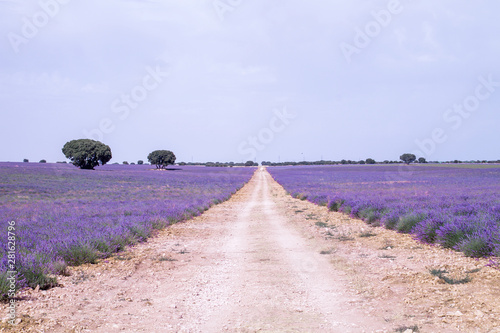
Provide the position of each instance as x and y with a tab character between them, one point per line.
279	283
253	264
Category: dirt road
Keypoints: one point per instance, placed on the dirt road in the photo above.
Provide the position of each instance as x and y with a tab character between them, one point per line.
260	263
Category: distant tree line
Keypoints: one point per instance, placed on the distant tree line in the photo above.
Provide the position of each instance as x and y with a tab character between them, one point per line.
420	160
323	162
221	164
87	154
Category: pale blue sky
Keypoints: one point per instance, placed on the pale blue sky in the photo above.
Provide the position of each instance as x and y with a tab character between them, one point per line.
231	80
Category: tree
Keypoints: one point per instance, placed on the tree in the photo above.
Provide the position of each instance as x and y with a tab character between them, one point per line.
408	158
43	161
26	160
422	160
249	163
370	161
140	162
161	158
125	163
87	153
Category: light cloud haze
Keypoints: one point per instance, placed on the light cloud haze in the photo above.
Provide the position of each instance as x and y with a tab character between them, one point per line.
207	78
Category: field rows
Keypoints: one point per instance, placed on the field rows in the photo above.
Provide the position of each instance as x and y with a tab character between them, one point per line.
66	216
456	207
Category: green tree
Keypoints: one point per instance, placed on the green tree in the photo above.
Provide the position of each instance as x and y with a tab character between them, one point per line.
422	160
86	153
370	161
161	158
140	162
43	161
26	160
408	158
249	163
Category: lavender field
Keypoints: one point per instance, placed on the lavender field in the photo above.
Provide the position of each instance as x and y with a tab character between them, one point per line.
456	207
67	216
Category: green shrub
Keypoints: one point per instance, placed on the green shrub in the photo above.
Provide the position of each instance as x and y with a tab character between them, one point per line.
407	222
451	238
118	243
390	222
475	247
335	205
302	196
77	255
4	287
161	224
102	246
139	233
369	215
347	209
36	276
320	201
60	268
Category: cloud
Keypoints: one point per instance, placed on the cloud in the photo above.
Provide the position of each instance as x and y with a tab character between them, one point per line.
227	76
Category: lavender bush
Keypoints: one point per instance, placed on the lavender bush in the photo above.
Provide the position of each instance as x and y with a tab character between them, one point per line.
66	216
456	207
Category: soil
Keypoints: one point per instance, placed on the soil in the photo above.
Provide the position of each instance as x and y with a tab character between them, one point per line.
265	262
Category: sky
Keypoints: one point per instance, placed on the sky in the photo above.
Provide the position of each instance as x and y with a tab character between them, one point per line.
238	80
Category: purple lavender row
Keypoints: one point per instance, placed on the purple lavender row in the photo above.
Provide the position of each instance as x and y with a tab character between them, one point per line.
456	207
66	216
